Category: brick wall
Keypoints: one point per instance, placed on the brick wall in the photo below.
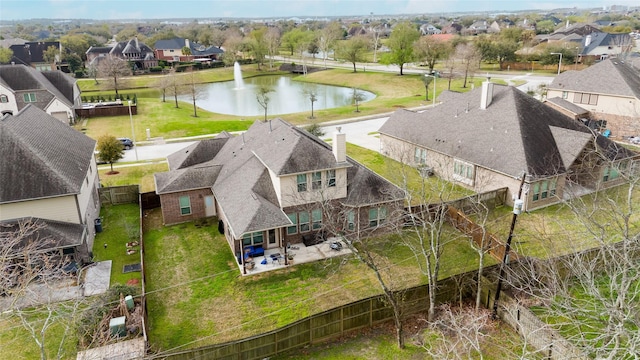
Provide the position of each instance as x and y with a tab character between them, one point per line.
171	206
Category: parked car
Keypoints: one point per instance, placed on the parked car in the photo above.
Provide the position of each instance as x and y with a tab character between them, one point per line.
126	142
98	161
635	140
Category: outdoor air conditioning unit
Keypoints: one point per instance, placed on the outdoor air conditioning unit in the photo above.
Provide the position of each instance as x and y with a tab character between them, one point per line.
425	171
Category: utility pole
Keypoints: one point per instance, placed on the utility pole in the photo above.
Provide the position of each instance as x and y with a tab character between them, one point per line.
517	208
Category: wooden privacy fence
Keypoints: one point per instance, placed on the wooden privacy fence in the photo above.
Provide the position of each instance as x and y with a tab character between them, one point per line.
481	237
149	200
116	195
321	327
491	199
536	333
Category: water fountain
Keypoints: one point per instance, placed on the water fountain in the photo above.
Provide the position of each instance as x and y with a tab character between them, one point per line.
237	76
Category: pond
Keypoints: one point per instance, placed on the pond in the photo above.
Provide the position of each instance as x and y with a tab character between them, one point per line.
288	96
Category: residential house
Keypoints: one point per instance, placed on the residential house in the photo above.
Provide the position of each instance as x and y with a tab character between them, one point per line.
171	50
600	45
139	54
491	136
275	185
48	174
31	53
452	28
616	100
52	91
478	27
429	29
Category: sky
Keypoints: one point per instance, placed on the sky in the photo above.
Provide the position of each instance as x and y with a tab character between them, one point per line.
197	9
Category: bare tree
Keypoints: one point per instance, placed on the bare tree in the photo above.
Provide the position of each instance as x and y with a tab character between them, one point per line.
464	331
272	38
29	280
174	85
468	57
592	296
357	97
312	95
329	35
262	96
114	69
194	90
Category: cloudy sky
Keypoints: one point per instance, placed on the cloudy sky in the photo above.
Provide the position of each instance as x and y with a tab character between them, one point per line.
162	9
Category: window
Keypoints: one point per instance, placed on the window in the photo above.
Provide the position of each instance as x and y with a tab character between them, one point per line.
351	220
463	172
303	218
377	216
316	219
4	99
316	180
565	94
30	97
331	178
254	238
420	156
185	205
293	229
585	98
302	182
613	172
544	189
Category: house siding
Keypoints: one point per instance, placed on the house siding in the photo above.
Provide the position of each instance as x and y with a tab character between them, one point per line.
288	189
171	206
60	208
620	112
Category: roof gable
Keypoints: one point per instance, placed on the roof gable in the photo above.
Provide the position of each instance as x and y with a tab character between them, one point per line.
515	133
37	144
622	79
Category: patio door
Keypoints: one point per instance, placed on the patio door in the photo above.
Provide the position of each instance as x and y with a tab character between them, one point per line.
209	206
271	238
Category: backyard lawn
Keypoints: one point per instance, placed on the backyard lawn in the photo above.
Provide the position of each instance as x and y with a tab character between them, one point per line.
120	225
204	299
558	230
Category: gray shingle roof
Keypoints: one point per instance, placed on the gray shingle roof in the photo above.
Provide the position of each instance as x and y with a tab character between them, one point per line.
57	234
568	105
197	177
515	133
621	79
243	186
41	156
21	77
197	153
179	43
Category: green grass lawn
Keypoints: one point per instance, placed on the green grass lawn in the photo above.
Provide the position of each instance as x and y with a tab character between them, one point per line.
141	175
16	343
120	225
205	300
165	120
558	230
427	190
502	342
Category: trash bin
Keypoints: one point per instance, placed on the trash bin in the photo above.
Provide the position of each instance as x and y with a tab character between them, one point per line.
98	223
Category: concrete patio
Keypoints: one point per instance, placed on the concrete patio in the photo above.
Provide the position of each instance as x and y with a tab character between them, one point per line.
301	254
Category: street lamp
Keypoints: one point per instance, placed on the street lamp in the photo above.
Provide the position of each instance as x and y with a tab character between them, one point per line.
133	133
434	87
559	61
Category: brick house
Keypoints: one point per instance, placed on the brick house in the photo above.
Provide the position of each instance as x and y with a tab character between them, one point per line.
274	185
487	138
